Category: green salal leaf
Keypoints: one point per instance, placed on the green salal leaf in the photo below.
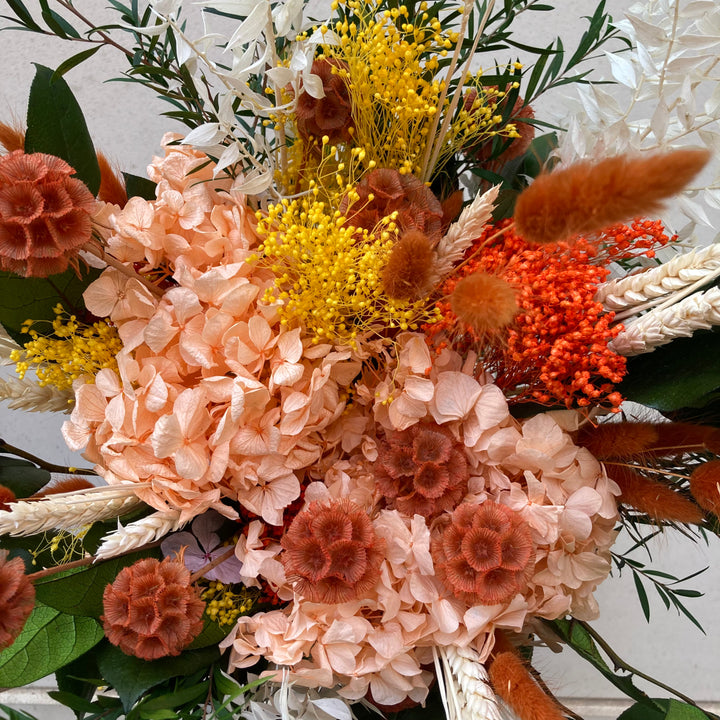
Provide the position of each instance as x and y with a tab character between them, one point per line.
49	640
681	374
80	591
137	186
668	709
24	299
21	476
56	126
132	677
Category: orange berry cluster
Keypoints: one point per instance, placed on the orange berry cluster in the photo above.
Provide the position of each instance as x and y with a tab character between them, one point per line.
556	350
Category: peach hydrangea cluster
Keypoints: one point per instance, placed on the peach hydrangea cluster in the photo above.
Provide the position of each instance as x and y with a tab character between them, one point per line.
44	214
212	398
545	505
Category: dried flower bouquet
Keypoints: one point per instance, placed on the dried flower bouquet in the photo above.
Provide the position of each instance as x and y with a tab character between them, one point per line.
350	367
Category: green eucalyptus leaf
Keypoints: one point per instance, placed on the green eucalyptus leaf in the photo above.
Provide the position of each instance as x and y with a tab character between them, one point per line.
56	126
683	374
132	677
80	591
49	640
24	299
74	61
21	476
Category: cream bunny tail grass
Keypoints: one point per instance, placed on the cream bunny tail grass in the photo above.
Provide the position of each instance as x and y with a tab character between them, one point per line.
464	685
29	396
139	533
589	196
68	511
460	234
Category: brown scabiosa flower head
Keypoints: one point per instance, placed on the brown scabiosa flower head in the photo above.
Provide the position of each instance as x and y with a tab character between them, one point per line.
330	115
331	552
421	470
152	610
44	214
17	598
485	553
384	191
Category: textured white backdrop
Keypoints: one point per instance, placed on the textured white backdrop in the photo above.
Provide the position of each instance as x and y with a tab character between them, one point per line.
125	122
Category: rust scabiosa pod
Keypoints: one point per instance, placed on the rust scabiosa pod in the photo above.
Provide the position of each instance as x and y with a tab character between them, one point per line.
152	610
44	214
589	196
17	598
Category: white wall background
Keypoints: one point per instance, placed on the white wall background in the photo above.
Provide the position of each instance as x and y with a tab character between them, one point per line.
125	123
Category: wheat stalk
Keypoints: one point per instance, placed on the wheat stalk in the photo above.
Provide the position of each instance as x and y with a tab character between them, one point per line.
660	326
628	292
139	533
464	685
28	395
460	234
67	511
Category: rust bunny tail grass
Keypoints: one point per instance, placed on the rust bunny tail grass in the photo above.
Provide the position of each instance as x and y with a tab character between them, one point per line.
512	681
408	270
705	486
589	196
678	438
11	138
612	441
71	484
655	499
112	189
484	302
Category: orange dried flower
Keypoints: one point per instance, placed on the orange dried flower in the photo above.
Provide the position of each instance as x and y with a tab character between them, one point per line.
513	682
330	115
652	497
484	302
485	554
615	440
421	470
331	552
152	610
705	486
416	206
64	485
17	598
589	196
44	214
407	272
556	349
6	496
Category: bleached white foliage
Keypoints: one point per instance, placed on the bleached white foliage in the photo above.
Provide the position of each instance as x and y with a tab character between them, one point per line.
222	60
28	395
282	701
666	95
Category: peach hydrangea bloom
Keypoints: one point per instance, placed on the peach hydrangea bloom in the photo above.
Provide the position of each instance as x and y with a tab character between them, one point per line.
551	492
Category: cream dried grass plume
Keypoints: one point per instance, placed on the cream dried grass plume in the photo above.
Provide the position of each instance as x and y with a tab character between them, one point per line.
67	511
464	685
460	235
632	293
139	533
660	326
28	395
